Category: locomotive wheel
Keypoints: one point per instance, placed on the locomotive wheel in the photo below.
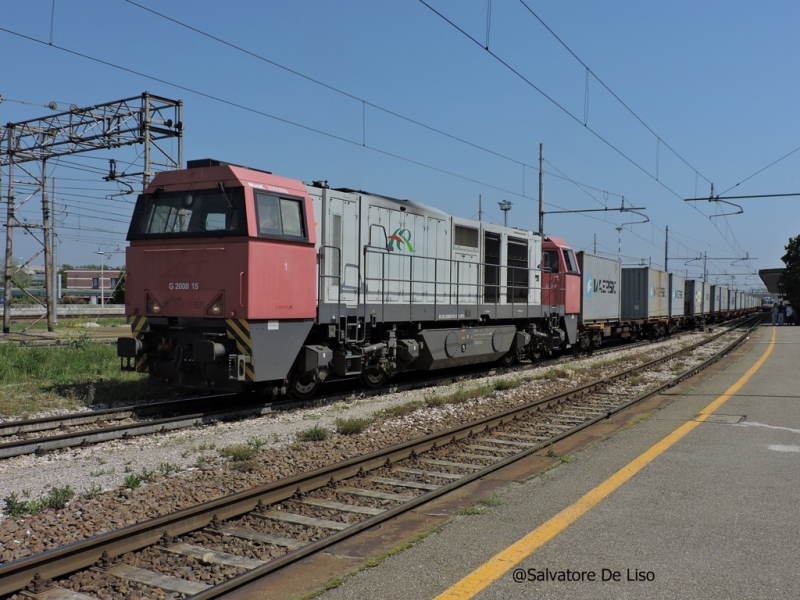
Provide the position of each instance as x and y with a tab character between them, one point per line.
535	353
373	379
304	386
508	360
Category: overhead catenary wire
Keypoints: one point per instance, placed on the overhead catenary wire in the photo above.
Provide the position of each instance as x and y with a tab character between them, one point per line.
566	111
340	138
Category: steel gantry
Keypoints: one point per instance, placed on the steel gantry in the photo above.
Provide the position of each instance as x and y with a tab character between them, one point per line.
144	119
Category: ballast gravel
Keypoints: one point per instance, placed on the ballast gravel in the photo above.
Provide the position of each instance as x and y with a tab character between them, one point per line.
203	474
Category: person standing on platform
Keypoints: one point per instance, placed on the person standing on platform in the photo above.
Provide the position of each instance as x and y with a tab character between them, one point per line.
774	314
789	315
781	313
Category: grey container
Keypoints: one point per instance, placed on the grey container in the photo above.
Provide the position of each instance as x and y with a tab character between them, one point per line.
724	301
677	290
706	298
645	293
694	297
600	278
715	298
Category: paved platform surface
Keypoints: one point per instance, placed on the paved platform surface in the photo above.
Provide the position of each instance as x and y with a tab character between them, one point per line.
716	515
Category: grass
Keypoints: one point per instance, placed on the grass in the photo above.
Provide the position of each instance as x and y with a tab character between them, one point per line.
166	468
677	367
133	481
315	434
257	443
566	458
460	395
239	452
70	324
92	492
370	563
471	510
508	384
353	425
84	373
56	499
637	380
102	472
491	500
401	410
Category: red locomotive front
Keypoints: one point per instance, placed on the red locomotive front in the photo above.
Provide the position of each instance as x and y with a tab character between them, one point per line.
221	260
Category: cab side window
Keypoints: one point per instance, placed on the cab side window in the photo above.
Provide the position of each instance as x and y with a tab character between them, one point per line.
569	259
550	261
280	217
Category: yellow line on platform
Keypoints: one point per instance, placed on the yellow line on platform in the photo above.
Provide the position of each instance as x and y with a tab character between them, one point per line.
506	560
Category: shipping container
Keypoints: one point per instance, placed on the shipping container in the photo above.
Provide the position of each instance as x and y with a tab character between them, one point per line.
724	295
715	296
645	293
677	289
706	298
601	278
693	295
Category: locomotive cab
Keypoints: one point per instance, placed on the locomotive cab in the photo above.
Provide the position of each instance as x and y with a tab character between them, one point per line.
221	266
561	285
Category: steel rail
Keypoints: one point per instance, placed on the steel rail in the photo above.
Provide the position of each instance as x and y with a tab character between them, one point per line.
45	444
17	427
98	435
296	555
17	574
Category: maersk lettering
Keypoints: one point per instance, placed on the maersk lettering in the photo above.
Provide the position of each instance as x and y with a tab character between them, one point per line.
604	286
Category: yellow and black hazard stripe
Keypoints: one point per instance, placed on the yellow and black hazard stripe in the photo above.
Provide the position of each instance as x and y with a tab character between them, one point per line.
238	330
138	326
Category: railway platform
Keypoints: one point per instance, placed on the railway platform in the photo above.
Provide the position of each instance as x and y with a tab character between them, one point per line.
698	500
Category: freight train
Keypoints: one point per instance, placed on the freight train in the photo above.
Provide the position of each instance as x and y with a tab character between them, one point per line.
239	279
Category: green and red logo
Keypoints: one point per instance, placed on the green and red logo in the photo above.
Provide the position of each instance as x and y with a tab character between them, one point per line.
401	237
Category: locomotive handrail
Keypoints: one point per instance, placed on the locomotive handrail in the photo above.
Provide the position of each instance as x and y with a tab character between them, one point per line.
385	237
337	277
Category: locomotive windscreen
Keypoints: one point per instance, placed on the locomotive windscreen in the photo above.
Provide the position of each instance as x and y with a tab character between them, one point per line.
189	213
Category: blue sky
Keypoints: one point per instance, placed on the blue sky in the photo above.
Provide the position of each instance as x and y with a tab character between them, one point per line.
715	81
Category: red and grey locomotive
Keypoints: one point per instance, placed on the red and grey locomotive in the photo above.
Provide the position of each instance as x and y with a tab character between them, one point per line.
240	279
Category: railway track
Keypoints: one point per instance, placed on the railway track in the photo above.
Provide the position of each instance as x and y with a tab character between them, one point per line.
216	547
47	434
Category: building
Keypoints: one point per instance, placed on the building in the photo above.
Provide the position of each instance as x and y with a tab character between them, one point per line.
90	279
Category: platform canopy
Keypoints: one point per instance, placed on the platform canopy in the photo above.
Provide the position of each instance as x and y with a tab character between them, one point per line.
771	279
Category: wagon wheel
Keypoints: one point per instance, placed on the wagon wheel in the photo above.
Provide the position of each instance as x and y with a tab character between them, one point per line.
304	386
373	378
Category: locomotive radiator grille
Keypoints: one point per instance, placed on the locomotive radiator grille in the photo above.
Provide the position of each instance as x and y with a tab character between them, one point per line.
238	330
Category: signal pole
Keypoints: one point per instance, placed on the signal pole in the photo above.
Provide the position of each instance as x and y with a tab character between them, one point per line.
541	190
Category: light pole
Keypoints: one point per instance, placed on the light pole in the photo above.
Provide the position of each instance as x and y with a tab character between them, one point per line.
505	206
102	271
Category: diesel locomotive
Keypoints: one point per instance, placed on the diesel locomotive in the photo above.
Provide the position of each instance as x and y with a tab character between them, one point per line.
238	279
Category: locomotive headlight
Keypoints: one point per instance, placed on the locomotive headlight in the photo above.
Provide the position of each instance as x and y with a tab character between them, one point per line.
152	306
217	307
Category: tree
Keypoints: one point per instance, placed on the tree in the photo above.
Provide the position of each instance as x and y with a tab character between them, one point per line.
118	297
791	277
19	276
64	268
